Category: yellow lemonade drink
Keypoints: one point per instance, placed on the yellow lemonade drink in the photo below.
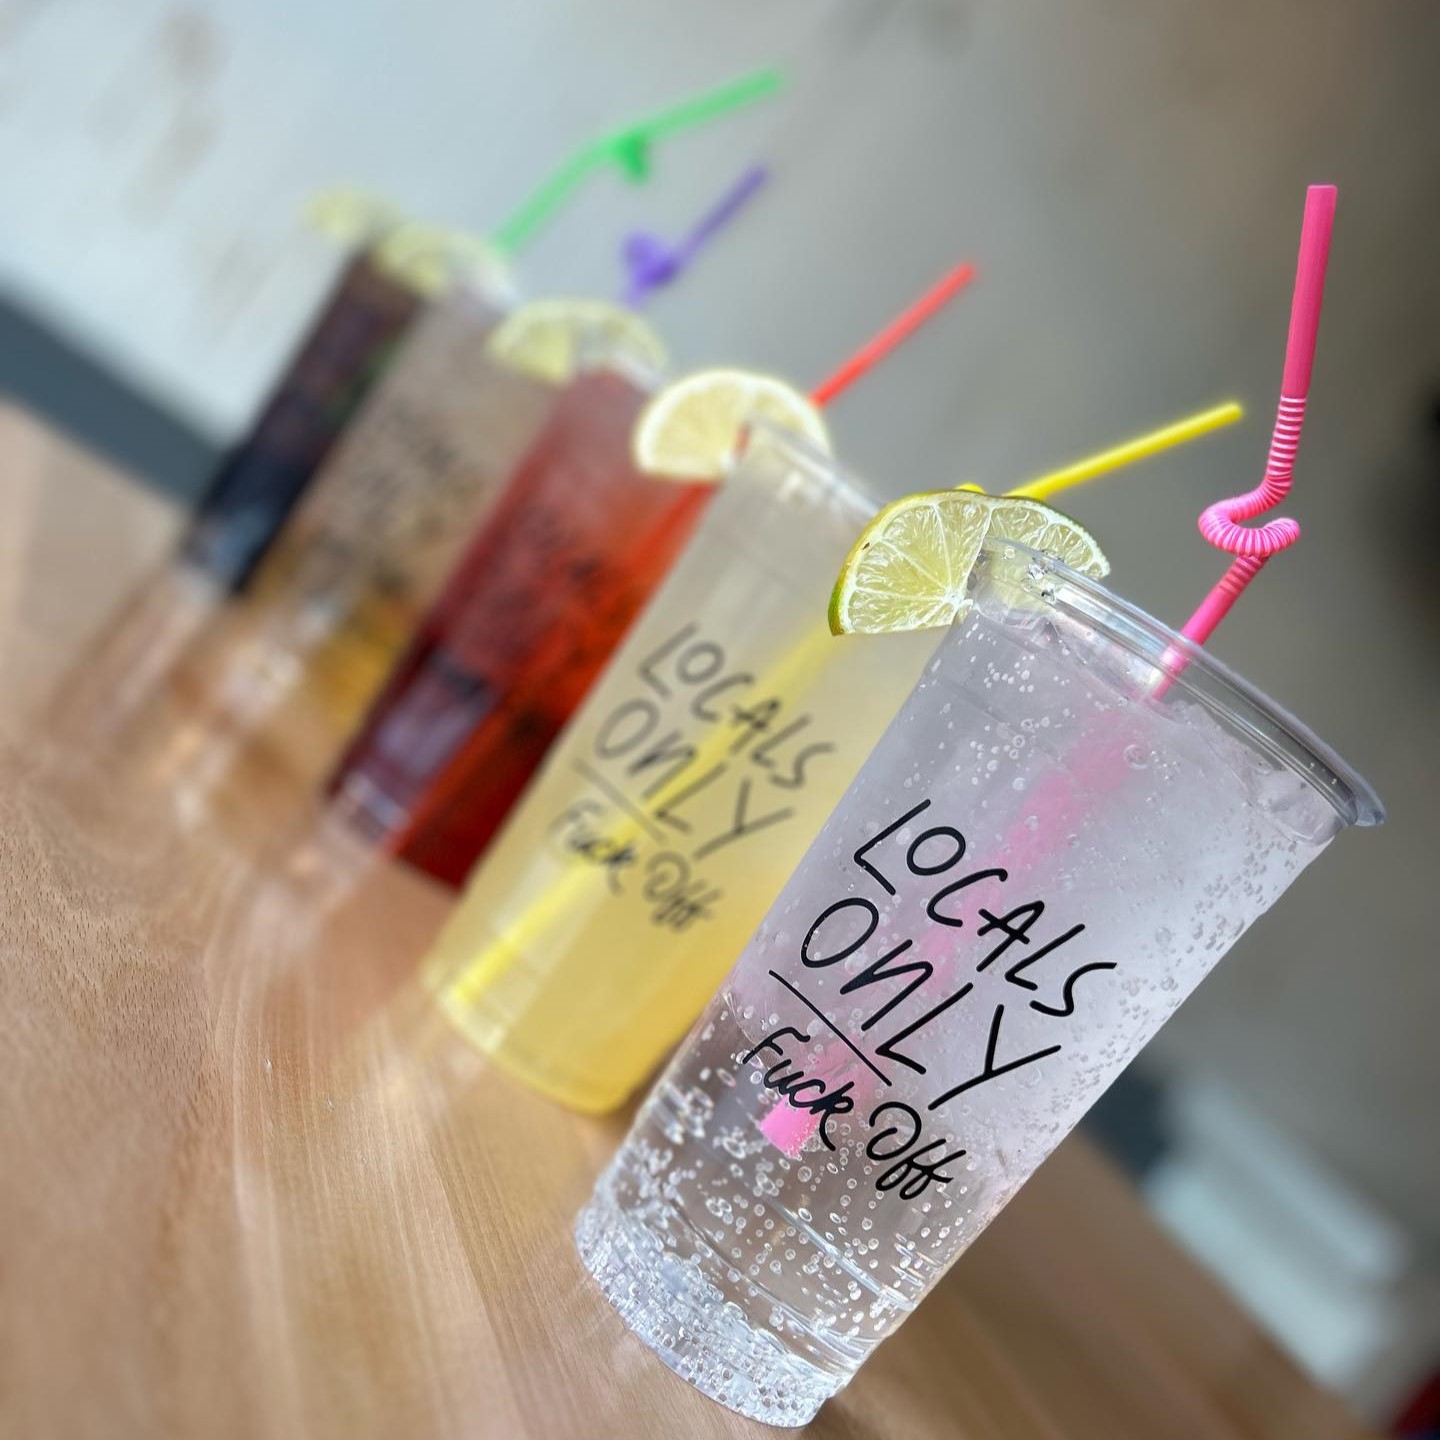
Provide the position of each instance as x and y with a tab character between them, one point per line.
682	794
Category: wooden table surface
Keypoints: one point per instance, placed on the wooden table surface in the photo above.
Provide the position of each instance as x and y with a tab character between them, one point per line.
251	1186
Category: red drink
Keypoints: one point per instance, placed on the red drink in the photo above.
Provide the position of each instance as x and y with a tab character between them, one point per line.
543	595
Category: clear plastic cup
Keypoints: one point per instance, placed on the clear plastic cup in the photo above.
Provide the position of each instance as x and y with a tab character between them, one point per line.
1071	819
681	795
542	594
366	551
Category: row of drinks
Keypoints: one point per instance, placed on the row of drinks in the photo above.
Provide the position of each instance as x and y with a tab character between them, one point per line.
536	610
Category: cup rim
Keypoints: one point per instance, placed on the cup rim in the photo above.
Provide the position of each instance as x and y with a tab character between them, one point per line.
1236	702
826	469
1244	707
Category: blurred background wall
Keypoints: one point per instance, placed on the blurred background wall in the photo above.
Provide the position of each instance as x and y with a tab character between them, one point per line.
1128	176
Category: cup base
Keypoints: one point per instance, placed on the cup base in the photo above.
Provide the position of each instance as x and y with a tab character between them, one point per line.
669	1304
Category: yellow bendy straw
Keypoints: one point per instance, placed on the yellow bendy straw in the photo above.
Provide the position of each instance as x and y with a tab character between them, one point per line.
1131	451
790	673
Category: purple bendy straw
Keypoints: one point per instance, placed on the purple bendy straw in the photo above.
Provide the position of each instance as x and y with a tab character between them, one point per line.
652	263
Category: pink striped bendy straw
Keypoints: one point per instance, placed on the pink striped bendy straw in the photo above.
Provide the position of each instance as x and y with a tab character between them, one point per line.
788	1128
1221	523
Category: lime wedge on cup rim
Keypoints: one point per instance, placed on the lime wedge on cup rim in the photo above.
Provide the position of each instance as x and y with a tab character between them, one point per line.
544	339
690	429
910	568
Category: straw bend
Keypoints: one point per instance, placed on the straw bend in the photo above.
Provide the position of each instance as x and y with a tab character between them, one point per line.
627	147
653	263
1220	523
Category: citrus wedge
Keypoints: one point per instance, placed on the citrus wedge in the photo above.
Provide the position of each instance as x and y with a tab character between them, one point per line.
910	568
691	427
544	339
431	259
352	217
1039	527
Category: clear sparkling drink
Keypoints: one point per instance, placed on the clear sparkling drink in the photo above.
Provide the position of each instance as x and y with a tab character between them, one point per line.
1071	819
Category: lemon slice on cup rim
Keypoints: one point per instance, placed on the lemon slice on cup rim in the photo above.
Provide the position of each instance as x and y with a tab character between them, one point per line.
690	429
351	216
433	260
428	259
910	569
545	339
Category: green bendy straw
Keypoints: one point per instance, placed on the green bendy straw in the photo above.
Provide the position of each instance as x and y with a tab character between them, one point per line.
627	148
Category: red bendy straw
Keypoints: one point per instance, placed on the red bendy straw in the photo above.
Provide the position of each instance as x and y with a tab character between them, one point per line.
1220	524
900	328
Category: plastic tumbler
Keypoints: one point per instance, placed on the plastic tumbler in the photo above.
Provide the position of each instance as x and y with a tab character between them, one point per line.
252	494
333	604
681	795
1074	815
546	588
148	641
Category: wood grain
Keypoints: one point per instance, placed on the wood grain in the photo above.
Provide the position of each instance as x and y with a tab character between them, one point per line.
252	1186
75	539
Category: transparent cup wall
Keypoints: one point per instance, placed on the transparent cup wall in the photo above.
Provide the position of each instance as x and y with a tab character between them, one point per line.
685	789
368	548
1071	819
573	548
261	479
